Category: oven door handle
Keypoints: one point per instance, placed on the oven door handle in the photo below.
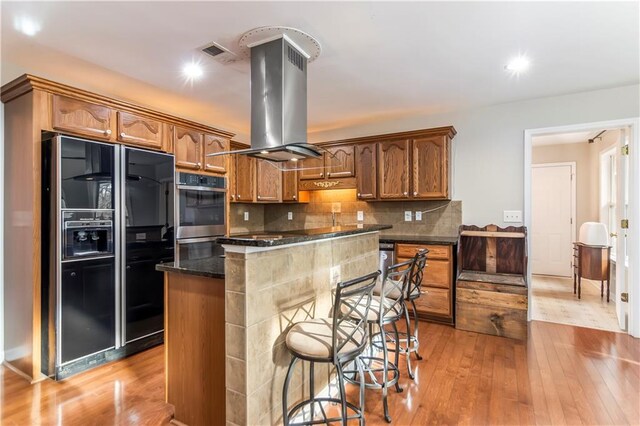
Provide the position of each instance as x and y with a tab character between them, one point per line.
197	240
200	188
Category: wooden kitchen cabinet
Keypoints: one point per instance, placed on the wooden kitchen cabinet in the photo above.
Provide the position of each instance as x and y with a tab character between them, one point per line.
81	117
393	169
312	168
187	144
141	131
430	168
436	302
289	185
213	144
245	172
340	161
268	181
366	171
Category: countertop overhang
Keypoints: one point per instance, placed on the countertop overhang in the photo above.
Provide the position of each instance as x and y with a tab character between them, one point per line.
280	238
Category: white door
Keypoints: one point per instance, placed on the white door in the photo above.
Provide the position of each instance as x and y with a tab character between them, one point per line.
552	228
622	211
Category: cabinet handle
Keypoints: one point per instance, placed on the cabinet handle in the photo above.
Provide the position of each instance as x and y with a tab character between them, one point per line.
107	132
199	164
321	174
123	134
258	197
73	274
415	193
233	197
238	196
405	193
295	197
358	194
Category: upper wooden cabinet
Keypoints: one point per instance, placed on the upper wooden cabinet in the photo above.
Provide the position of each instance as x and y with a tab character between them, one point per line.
312	168
430	167
393	169
187	144
77	116
214	144
340	161
245	178
141	131
268	181
366	171
289	185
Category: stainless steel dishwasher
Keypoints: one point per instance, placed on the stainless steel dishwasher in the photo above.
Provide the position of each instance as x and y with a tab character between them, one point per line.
387	255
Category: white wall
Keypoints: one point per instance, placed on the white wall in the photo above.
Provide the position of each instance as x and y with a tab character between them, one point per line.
488	150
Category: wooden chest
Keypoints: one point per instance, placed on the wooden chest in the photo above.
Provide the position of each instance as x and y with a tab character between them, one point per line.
492	304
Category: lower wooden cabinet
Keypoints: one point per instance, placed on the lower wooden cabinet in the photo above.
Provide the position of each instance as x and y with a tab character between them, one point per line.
436	302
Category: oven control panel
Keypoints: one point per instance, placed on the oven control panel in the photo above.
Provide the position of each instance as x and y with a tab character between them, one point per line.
192	179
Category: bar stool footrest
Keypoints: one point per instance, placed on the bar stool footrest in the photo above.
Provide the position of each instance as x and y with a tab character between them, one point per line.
413	342
371	381
356	411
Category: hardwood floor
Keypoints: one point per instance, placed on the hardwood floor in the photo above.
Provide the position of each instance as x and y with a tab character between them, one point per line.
561	375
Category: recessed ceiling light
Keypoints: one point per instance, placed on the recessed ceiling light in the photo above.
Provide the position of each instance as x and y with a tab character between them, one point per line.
192	71
264	152
517	64
294	159
26	26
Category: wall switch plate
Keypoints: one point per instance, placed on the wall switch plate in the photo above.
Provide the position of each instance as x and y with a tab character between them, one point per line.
418	215
334	275
246	216
289	215
360	216
407	216
335	207
512	216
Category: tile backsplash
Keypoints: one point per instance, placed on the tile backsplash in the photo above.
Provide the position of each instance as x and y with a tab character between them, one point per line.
439	218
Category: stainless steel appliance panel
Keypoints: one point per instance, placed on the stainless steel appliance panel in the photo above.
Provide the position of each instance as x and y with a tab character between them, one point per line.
201	206
387	255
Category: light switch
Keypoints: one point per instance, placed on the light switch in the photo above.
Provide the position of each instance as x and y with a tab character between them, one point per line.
246	216
360	215
290	215
407	216
418	215
512	216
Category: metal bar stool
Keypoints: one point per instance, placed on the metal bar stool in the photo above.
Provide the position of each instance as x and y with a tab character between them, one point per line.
337	340
410	343
387	308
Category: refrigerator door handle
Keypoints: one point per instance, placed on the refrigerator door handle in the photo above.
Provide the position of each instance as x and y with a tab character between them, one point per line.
120	197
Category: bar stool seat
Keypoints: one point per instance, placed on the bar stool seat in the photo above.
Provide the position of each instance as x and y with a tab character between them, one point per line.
313	339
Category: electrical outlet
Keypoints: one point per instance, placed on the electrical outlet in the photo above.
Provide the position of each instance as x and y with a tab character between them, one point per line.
512	216
336	207
246	216
334	275
407	216
290	216
360	215
418	215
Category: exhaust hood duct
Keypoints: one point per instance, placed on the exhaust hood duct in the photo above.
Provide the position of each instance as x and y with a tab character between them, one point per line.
279	95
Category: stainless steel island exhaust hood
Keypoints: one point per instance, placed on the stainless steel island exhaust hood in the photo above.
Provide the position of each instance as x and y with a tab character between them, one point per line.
279	97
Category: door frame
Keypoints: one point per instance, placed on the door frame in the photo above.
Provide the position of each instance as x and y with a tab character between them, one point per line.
634	202
574	220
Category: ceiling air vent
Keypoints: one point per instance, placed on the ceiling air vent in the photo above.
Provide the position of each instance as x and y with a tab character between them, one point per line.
219	53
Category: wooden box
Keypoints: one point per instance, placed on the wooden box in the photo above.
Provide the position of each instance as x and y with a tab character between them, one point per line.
491	287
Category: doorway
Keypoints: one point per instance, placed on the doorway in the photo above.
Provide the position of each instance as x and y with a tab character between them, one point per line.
565	186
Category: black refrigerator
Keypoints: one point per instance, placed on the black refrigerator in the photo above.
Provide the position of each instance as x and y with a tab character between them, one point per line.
107	220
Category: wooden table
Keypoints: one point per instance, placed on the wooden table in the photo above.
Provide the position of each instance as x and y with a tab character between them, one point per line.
592	263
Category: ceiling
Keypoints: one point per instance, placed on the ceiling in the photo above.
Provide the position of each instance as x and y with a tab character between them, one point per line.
379	60
564	138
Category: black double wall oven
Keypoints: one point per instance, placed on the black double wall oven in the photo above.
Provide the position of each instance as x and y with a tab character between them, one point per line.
107	220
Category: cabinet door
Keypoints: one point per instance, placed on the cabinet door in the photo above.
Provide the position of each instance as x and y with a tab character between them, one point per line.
312	168
245	178
340	161
138	130
84	118
213	144
289	185
393	169
187	145
268	181
431	168
366	168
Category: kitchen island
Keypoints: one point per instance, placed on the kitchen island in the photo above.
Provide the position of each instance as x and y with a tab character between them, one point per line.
225	327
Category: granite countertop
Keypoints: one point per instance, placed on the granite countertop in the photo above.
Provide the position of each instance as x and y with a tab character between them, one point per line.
418	239
280	238
212	267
